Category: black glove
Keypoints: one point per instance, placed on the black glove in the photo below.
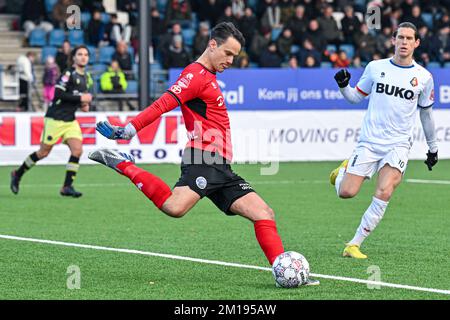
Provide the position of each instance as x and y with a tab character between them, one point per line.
432	159
342	78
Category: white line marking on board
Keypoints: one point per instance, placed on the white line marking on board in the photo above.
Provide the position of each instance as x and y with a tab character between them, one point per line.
221	263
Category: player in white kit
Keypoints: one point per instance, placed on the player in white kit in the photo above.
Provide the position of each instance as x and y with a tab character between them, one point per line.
397	87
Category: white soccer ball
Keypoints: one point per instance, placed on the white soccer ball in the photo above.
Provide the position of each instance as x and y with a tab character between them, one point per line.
290	269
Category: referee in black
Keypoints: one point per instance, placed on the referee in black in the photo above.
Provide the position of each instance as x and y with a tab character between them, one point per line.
71	94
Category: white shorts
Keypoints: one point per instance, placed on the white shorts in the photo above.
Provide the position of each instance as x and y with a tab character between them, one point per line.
367	159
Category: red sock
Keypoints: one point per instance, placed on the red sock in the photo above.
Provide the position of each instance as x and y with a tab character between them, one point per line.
268	238
152	186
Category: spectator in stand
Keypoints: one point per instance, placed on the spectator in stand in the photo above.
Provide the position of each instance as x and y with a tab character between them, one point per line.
27	78
350	24
406	7
340	60
284	43
244	63
298	24
238	8
177	56
248	25
306	50
178	11
114	81
63	56
51	74
261	7
384	42
167	39
444	21
259	43
293	62
269	57
95	30
444	44
201	39
271	18
415	17
210	11
237	61
60	13
123	57
115	32
315	35
34	15
356	63
157	26
310	62
228	16
93	5
329	27
130	6
365	43
287	11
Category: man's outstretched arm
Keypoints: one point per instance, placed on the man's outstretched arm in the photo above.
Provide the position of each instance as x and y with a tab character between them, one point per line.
352	95
165	103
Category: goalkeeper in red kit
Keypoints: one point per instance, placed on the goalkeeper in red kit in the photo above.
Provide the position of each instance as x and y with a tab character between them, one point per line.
205	166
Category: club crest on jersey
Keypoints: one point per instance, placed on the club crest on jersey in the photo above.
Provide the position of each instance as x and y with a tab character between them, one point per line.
176	89
395	91
201	182
414	82
382	75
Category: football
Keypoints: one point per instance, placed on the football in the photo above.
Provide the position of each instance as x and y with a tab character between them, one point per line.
290	270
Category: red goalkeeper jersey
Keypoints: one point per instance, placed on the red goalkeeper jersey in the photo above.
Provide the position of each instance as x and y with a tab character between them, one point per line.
203	107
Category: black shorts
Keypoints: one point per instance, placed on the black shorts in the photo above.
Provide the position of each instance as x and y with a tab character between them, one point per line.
213	179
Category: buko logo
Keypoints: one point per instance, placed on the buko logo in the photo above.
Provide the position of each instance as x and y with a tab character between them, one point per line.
232	96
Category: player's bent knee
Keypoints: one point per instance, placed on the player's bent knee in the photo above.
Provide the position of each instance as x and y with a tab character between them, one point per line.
175	211
268	213
347	193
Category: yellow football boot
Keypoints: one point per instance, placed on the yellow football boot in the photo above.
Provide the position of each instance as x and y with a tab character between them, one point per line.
352	251
335	172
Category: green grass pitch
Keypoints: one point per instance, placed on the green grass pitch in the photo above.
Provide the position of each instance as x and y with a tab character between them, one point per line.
410	246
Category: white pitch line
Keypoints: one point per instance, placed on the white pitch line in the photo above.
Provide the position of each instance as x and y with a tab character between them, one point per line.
221	263
428	181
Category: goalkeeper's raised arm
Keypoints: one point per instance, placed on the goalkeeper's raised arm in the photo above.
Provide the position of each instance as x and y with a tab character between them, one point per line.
165	103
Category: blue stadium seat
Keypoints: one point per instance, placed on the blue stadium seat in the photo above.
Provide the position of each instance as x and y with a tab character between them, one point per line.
92	54
85	18
295	49
105	54
276	33
49	4
48	51
447	65
161	5
326	64
349	49
56	37
433	64
97	70
37	38
132	86
105	17
428	19
131	51
156	66
331	48
253	65
188	36
76	37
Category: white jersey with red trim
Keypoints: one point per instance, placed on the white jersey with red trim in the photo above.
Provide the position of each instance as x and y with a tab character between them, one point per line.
394	93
